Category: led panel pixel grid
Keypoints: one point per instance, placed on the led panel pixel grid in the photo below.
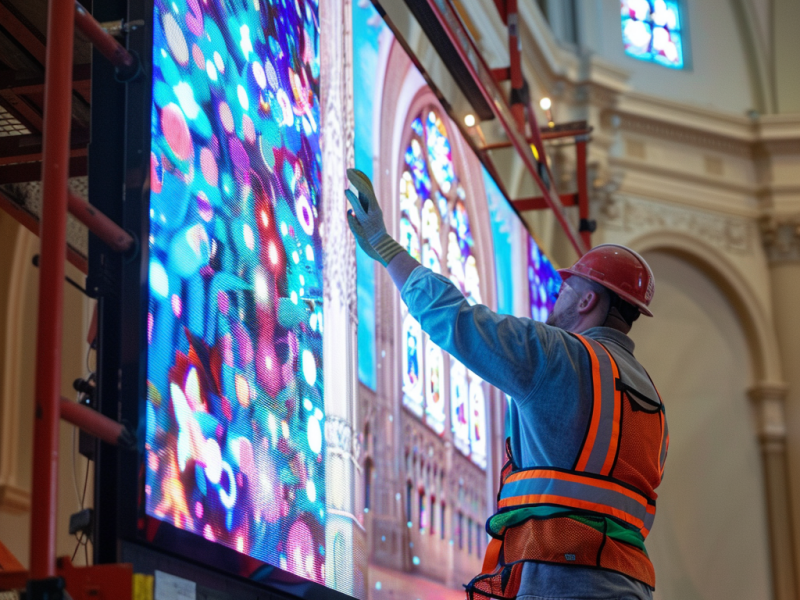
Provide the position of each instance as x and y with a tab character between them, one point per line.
235	411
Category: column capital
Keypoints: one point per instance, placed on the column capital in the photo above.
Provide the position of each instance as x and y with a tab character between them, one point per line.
769	398
781	237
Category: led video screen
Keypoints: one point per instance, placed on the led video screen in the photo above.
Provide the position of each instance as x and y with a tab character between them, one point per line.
235	414
543	282
449	213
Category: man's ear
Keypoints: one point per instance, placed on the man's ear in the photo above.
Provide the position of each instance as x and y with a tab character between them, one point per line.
587	302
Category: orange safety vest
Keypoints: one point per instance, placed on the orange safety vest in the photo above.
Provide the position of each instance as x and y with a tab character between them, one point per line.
596	514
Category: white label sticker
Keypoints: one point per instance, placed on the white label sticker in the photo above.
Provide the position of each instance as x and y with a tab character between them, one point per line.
169	587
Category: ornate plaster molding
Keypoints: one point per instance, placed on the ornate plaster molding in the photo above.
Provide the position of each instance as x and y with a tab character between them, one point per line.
732	234
678	133
781	238
769	400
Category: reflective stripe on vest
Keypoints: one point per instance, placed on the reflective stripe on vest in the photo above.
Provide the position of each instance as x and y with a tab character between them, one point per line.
588	487
600	495
602	438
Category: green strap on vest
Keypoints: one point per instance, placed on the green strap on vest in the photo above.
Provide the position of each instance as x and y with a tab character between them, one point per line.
612	529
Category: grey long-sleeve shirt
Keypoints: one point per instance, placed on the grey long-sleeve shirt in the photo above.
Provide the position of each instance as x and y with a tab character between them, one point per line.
547	373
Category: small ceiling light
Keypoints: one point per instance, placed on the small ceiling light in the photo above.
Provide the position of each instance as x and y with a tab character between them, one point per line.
469	120
545	103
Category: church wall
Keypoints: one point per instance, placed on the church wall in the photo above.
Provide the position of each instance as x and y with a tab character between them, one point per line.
20	288
710	538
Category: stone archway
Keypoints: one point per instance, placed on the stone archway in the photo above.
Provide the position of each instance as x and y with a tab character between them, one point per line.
711	276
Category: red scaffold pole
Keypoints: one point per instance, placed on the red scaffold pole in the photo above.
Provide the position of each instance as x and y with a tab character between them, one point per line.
55	172
487	84
125	62
583	191
99	224
94	423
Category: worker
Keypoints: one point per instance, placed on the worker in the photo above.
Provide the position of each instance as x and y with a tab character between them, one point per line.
588	429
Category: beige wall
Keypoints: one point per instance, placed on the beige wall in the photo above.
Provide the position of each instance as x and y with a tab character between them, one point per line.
19	287
710	540
717	74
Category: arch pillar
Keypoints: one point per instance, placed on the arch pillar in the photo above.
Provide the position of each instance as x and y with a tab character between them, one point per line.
781	238
775	352
769	400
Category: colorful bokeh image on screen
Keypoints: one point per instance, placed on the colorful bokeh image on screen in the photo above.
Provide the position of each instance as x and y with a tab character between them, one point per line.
543	281
235	411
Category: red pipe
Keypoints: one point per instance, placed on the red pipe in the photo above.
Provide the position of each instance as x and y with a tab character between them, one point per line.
55	171
583	189
477	67
104	42
94	423
109	232
515	62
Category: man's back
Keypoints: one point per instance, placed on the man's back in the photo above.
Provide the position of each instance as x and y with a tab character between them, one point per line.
548	373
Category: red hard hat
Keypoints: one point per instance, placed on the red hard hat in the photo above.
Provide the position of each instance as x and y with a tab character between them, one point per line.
619	269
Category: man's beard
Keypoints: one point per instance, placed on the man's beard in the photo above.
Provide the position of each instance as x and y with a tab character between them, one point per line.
565	319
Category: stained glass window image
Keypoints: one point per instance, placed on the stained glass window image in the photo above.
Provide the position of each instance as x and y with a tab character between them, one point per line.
477	420
234	447
651	30
435	229
434	387
459	410
543	281
412	365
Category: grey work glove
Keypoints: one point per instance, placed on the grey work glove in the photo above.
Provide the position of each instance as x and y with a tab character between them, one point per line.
366	220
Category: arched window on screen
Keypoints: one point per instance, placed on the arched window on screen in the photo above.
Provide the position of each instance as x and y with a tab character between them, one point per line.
409	500
367	484
435	229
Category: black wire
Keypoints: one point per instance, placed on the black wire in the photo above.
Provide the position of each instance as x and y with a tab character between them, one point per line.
85	483
78	545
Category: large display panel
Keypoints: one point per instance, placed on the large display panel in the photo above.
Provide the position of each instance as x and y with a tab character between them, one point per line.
437	197
235	414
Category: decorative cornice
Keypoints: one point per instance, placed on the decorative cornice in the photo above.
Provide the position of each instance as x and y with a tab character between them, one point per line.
781	238
732	234
682	134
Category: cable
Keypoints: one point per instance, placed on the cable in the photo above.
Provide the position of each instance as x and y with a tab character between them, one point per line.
75	475
78	545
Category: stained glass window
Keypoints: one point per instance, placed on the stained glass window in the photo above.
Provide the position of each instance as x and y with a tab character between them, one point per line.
651	30
543	282
459	415
477	421
412	365
434	387
435	229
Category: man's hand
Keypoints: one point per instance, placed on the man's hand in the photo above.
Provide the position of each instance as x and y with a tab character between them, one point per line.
366	220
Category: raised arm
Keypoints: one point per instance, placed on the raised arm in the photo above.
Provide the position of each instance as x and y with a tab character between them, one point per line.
506	351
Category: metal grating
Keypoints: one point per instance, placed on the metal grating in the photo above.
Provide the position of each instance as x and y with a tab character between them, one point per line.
10	126
29	196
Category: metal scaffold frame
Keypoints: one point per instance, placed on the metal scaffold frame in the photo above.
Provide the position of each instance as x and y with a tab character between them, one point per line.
518	119
50	408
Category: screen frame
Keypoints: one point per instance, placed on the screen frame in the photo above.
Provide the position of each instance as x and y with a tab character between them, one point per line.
120	481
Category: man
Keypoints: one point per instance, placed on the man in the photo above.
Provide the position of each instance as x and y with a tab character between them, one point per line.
588	430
